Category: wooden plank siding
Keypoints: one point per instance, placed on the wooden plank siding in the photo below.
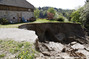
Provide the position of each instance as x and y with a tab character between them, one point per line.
13	8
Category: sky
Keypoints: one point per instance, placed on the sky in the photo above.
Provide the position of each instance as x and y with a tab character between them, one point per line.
64	4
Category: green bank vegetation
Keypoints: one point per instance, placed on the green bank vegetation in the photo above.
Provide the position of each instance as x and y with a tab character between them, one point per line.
37	21
20	50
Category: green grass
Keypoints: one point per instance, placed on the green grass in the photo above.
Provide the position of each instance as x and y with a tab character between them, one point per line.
16	25
44	21
37	21
11	25
2	55
23	50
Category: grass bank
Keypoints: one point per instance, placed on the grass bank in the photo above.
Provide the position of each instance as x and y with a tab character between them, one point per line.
37	21
11	25
10	49
44	21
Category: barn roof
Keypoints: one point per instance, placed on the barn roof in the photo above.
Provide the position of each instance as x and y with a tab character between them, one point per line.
17	3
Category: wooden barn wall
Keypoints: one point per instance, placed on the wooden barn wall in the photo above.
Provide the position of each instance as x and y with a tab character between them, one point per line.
13	8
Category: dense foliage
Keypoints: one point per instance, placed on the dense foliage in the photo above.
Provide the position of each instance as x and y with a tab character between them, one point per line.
36	13
51	13
75	16
51	10
50	16
56	11
60	18
82	16
43	14
3	21
85	15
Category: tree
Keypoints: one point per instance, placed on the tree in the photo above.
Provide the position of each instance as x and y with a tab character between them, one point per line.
51	10
85	15
43	14
51	13
50	16
36	13
75	16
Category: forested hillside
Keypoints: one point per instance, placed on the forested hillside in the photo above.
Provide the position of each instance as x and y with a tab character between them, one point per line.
63	12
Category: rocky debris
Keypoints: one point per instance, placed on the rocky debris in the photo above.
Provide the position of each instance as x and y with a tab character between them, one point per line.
58	50
87	48
77	46
84	52
60	40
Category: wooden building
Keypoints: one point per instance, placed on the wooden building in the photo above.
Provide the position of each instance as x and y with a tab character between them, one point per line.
13	10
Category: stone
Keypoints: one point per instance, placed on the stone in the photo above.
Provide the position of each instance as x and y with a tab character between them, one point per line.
46	53
78	46
10	14
87	48
65	55
86	53
72	43
56	46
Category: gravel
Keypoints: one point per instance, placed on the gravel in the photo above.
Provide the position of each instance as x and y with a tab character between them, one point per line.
18	34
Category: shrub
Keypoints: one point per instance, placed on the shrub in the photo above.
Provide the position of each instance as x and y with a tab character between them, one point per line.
60	18
32	19
50	16
3	21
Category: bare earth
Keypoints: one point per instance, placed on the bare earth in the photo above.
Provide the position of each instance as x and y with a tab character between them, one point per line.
17	34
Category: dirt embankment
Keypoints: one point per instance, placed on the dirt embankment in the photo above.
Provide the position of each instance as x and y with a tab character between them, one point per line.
62	40
57	32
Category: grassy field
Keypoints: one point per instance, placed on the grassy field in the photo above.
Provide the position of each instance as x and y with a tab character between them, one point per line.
10	49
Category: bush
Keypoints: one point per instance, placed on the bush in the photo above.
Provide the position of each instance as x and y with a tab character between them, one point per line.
75	16
50	16
32	19
3	21
60	18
